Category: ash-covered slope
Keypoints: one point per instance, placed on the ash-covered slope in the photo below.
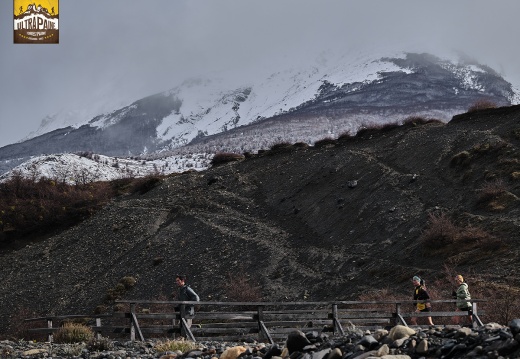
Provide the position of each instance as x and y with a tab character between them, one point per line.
336	95
325	222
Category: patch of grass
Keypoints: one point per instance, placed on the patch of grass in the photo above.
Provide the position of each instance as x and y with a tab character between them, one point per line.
73	333
173	345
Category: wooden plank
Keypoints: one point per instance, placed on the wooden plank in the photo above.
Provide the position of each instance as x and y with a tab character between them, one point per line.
365	315
296	311
434	314
225	325
42	330
136	326
150	330
121	315
164	316
227	338
284	316
223	330
238	312
265	332
72	316
230	316
367	320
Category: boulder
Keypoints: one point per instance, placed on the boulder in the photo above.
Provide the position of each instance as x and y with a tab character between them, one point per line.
233	352
296	341
400	332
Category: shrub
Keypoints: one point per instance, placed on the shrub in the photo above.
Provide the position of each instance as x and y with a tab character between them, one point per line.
324	142
73	333
173	345
442	236
461	159
418	120
19	328
239	288
225	157
145	184
491	190
128	282
37	207
346	136
439	232
281	146
482	104
120	288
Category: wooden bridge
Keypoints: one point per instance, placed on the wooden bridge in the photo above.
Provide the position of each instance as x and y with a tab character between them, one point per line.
244	321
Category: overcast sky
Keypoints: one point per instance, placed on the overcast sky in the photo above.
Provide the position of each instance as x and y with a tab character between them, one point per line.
123	50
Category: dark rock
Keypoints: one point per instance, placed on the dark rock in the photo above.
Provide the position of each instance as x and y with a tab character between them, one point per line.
296	341
514	326
368	341
275	350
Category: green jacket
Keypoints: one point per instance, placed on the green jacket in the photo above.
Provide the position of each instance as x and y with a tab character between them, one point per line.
463	296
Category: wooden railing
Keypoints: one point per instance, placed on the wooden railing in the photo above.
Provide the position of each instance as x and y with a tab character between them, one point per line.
239	321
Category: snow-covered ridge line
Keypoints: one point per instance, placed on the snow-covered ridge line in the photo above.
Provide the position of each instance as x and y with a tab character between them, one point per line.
268	95
85	168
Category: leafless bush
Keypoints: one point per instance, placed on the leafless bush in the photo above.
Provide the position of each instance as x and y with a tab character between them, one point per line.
482	104
225	157
419	120
281	146
240	288
324	142
345	136
442	236
29	206
440	231
144	184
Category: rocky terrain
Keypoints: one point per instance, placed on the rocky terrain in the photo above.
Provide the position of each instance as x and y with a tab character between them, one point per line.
491	341
339	220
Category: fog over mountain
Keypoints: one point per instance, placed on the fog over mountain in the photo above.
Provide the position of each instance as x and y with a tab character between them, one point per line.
142	49
339	94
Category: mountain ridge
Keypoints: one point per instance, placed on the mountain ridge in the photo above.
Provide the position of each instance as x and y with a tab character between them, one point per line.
347	93
339	220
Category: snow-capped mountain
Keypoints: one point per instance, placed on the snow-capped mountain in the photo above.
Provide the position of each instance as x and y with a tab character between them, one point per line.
334	95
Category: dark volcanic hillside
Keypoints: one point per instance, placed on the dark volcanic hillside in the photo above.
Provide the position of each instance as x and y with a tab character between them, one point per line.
335	221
